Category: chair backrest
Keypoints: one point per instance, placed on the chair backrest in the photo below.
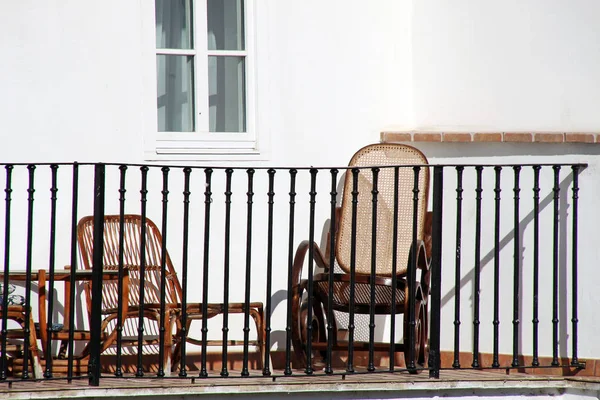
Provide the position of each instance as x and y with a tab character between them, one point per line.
382	155
132	230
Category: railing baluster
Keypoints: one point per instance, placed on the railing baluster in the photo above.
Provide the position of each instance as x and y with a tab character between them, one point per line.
71	300
555	245
311	263
436	271
536	262
457	276
476	322
184	270
207	202
97	267
267	344
574	318
394	272
142	271
27	330
119	327
374	192
8	192
350	362
225	329
332	233
51	262
250	195
412	274
517	271
496	322
288	328
163	277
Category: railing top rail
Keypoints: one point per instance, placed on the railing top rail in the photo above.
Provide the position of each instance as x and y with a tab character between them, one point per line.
344	167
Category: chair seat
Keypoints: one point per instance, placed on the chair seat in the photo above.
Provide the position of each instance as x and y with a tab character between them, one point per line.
362	297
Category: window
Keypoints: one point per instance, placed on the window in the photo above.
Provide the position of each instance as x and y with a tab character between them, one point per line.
204	77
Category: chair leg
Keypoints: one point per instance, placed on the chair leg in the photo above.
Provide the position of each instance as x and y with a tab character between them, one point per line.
417	332
297	340
168	349
258	315
318	334
423	355
36	364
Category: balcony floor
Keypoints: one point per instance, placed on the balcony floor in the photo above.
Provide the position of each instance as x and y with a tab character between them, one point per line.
452	383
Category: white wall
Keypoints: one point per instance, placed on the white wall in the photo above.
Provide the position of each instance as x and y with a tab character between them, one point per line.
336	73
506	65
330	77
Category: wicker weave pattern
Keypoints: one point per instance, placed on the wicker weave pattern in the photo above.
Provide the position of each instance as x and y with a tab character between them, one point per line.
341	294
381	155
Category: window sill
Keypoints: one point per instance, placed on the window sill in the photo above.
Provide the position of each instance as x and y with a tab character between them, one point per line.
221	155
491	137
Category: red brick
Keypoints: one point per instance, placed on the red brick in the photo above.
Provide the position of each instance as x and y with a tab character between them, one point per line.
427	137
392	137
590	369
457	137
487	137
518	137
575	137
595	365
549	137
446	359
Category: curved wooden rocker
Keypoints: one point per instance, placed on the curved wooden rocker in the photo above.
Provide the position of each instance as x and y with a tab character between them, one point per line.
339	298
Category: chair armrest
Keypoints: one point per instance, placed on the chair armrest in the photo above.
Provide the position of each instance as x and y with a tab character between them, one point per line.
301	251
338	215
427	231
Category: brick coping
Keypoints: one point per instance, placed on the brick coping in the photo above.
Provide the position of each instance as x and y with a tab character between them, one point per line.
490	137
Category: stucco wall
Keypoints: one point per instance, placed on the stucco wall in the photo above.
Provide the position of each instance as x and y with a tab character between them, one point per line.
506	65
77	79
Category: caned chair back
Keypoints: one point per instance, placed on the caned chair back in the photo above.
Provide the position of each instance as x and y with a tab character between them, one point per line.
382	155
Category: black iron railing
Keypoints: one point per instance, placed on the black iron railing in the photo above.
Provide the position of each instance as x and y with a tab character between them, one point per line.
235	233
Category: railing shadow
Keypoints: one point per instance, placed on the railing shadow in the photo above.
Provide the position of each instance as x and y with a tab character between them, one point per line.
488	259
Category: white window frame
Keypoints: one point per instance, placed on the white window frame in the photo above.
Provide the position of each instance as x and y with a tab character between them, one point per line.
202	144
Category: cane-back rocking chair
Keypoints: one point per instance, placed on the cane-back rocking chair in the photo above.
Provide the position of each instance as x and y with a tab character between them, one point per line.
132	230
407	159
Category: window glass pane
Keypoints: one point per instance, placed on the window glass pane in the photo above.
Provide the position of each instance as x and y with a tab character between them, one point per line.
225	24
173	24
227	94
175	93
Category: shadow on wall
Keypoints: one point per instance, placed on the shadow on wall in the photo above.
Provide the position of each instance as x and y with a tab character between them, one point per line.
563	290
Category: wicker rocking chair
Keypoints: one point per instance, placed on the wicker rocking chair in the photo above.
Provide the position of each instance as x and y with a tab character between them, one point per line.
152	283
373	155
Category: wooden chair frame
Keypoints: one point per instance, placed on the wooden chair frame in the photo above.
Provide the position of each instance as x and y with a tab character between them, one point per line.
17	313
173	328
